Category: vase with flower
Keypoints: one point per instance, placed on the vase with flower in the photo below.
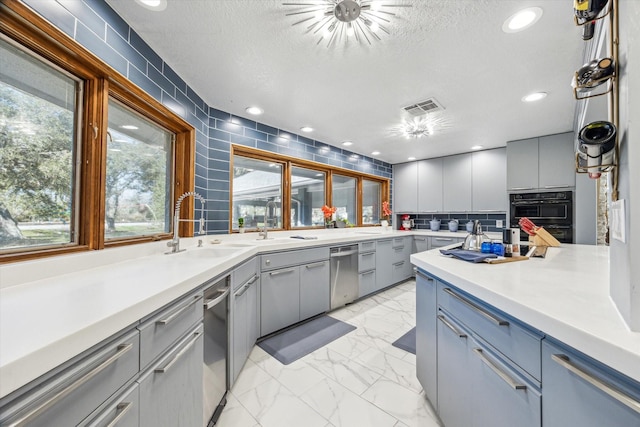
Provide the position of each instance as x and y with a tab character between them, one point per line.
386	214
328	215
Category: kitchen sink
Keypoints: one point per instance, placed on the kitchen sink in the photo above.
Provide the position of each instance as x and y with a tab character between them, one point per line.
213	252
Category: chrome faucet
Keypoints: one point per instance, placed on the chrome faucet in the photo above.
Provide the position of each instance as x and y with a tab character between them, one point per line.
174	244
268	218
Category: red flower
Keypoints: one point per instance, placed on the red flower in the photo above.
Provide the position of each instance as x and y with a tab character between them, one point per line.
328	211
386	211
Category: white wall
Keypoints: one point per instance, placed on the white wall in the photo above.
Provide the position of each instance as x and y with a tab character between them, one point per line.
624	265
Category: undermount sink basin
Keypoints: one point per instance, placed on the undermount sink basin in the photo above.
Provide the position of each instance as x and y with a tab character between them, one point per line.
213	252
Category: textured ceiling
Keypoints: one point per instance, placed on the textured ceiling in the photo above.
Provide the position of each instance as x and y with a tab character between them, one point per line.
237	53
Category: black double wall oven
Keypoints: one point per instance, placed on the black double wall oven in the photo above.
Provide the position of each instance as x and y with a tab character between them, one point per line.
551	210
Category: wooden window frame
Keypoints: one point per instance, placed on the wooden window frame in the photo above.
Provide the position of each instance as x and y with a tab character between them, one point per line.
22	25
288	162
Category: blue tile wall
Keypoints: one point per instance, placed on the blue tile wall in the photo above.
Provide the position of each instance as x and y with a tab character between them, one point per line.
97	27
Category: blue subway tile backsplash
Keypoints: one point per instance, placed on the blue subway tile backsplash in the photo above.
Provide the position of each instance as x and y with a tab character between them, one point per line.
97	27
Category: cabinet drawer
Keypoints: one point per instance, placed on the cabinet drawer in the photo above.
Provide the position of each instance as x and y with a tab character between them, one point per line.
243	273
70	397
284	259
397	242
367	283
123	411
512	339
367	246
400	271
438	242
164	328
366	261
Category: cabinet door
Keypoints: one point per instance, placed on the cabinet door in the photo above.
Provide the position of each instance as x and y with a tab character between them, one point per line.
426	338
240	332
501	395
490	180
522	164
405	187
384	254
171	392
457	183
253	314
279	299
578	393
430	185
454	385
124	411
315	292
557	166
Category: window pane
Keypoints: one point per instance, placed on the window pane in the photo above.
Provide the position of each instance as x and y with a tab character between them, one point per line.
371	203
344	198
307	197
139	175
38	115
256	183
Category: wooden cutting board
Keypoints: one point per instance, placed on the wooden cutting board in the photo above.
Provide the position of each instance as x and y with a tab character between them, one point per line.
506	259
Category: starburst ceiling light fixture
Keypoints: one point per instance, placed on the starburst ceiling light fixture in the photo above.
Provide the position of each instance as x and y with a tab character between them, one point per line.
341	20
418	127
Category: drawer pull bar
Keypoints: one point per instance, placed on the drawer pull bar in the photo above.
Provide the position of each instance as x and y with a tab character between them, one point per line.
488	316
450	326
420	239
505	377
178	355
316	265
246	286
621	397
210	303
277	273
177	313
366	273
122	409
443	239
122	349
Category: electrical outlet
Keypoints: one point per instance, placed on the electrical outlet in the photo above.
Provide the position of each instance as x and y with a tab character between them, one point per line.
498	223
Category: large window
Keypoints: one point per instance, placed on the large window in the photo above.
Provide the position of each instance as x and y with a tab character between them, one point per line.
87	159
257	193
262	180
39	117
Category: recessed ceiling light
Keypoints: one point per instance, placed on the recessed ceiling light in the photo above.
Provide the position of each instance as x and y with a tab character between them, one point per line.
537	96
130	127
375	153
522	20
476	147
306	129
255	111
411	158
347	143
157	5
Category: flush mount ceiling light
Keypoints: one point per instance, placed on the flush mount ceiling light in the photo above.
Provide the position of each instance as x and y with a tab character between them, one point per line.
347	143
157	5
306	129
411	158
476	147
537	96
255	111
522	20
375	153
418	127
341	20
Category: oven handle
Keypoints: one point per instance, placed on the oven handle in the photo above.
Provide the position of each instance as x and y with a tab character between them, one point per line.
528	202
210	303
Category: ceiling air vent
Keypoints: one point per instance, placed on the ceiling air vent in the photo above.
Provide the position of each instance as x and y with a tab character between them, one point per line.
424	107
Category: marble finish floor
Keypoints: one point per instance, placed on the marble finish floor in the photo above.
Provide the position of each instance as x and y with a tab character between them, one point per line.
358	380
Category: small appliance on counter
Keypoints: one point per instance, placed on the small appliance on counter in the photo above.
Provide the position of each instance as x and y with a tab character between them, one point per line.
434	224
475	239
453	225
511	241
407	223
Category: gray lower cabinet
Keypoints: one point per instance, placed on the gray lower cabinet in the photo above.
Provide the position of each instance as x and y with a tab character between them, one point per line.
367	282
72	394
245	323
122	411
421	244
392	261
438	242
426	342
171	392
315	295
384	253
581	392
279	299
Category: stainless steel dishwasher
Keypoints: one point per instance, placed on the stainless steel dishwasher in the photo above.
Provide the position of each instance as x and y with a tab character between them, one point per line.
344	275
216	349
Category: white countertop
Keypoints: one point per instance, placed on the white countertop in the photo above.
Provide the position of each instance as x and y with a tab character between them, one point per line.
565	295
55	308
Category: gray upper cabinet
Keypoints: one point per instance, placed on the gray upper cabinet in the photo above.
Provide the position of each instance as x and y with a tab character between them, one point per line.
547	162
405	187
430	185
489	181
457	183
556	161
522	164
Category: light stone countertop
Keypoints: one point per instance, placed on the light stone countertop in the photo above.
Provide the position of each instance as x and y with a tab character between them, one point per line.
565	295
55	308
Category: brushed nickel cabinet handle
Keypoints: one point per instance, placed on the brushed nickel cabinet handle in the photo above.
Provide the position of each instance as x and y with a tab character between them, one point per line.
450	326
122	410
502	374
424	276
497	321
177	313
316	265
565	362
277	273
222	294
28	417
178	355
